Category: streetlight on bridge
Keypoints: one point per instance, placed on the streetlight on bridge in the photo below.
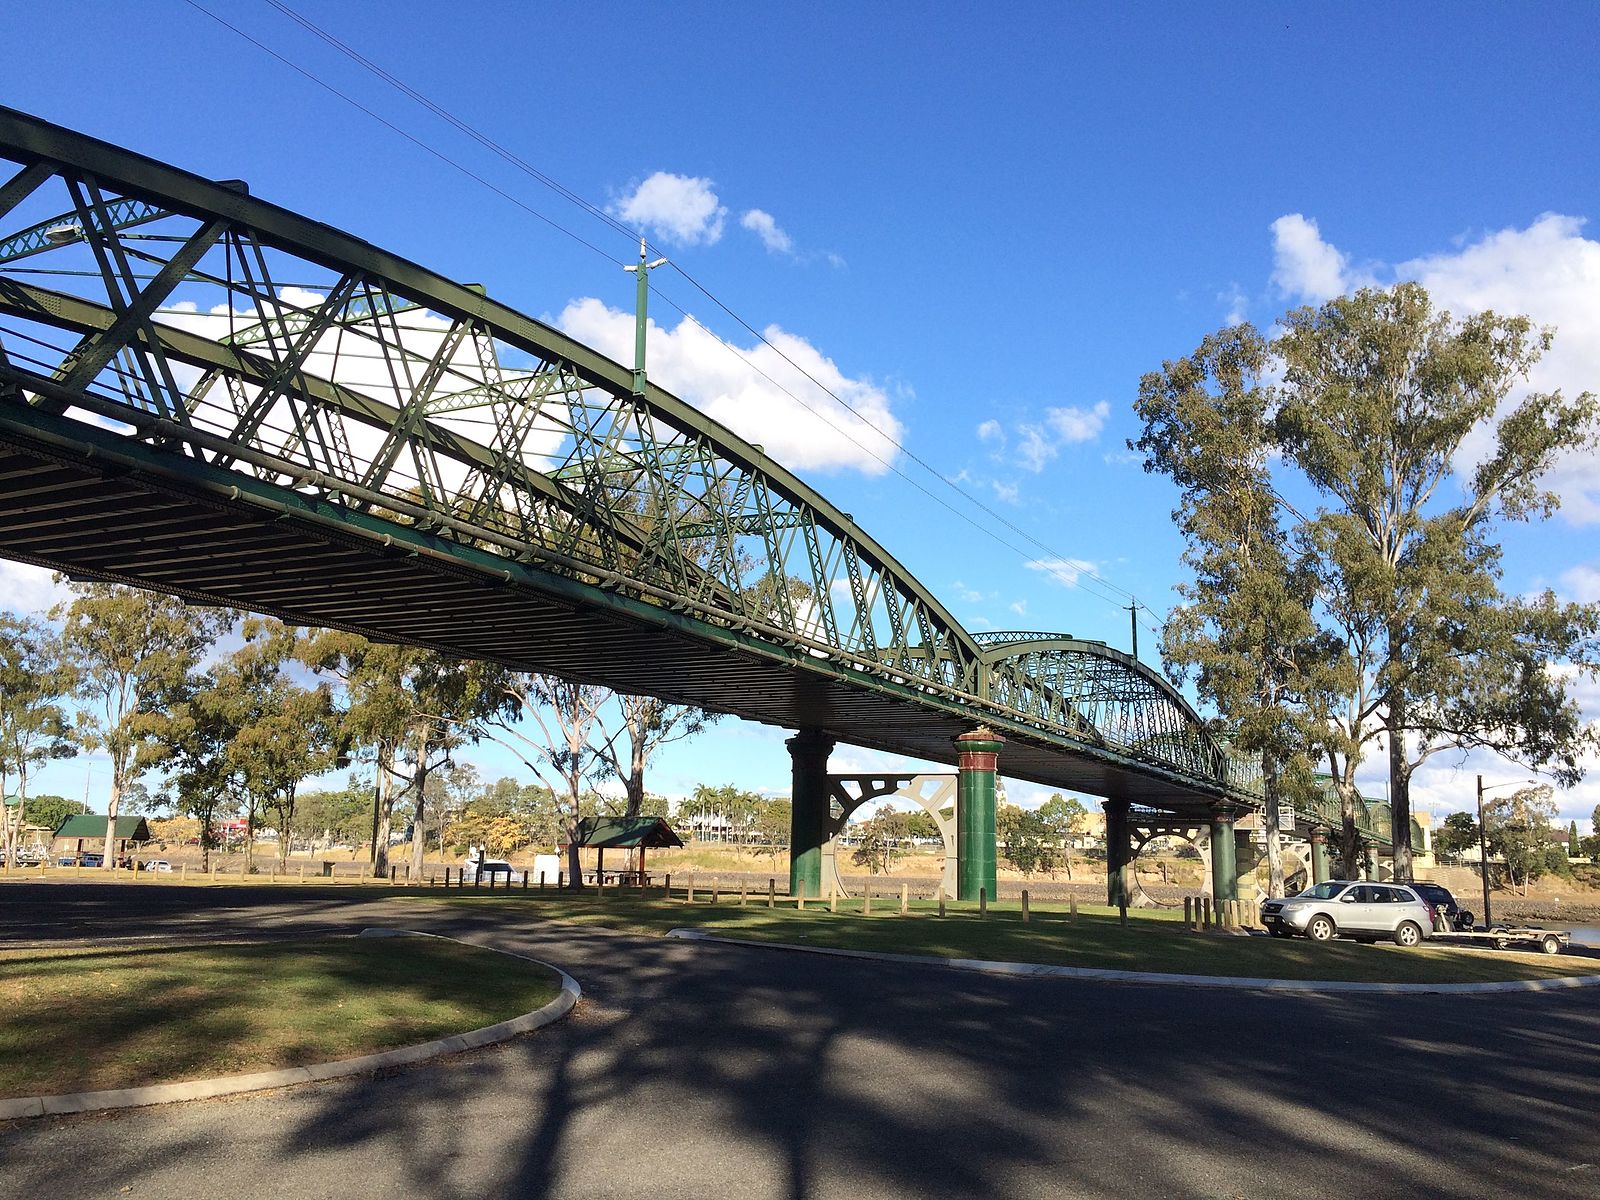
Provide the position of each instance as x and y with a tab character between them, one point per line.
1483	841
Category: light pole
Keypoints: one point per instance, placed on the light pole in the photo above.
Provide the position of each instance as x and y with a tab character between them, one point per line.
641	309
1483	841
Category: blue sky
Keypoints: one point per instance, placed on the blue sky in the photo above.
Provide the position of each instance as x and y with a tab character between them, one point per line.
985	221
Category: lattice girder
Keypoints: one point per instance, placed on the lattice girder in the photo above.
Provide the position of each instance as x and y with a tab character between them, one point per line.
206	326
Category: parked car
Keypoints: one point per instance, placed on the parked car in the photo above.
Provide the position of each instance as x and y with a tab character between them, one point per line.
1341	908
157	864
490	871
1448	915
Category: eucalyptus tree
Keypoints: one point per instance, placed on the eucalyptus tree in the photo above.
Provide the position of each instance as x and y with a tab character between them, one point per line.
34	681
375	714
563	754
409	707
1346	593
1382	399
1245	631
452	701
1064	818
201	782
135	655
289	732
646	724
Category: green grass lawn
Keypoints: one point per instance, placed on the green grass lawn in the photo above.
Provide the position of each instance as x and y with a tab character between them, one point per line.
1154	939
85	1019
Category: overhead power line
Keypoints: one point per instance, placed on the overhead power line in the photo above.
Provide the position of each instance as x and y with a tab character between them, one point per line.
1074	578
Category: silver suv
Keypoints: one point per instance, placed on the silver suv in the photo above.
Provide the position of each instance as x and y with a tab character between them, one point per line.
1363	911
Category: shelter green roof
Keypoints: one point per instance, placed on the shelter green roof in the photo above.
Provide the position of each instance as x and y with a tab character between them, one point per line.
93	825
607	832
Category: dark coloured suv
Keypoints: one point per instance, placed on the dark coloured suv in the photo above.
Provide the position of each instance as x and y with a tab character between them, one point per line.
1450	915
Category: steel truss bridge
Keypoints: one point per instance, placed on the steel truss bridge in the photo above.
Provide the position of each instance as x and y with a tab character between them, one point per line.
212	396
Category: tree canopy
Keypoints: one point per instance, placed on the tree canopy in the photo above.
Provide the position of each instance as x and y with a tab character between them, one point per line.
1343	487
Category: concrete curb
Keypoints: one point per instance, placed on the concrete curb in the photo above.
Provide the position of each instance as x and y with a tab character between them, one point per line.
1104	975
228	1085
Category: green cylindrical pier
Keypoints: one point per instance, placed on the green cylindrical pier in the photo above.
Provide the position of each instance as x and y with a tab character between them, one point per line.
808	823
1224	861
978	753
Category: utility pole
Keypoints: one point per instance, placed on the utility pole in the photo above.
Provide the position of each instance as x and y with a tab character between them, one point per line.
641	306
1133	624
1483	854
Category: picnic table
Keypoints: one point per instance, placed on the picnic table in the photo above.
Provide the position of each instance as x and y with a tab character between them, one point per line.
618	878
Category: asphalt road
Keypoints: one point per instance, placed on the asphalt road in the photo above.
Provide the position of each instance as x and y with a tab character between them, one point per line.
705	1071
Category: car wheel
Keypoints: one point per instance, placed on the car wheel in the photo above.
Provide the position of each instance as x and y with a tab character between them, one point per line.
1550	944
1276	932
1501	943
1321	928
1409	933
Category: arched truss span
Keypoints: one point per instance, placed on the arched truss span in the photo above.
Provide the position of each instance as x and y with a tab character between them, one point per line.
209	394
1108	696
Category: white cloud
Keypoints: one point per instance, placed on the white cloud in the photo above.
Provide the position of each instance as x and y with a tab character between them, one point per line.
1008	492
1065	571
1039	442
680	209
965	594
744	393
1078	424
1236	301
1019	607
25	588
766	228
1034	448
1582	583
1304	265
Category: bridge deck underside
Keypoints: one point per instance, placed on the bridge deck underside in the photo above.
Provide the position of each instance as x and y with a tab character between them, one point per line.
104	521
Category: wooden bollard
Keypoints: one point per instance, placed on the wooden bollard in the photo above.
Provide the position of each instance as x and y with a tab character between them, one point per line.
941	902
772	892
302	872
866	901
1025	913
1205	914
666	888
525	874
1122	915
905	899
983	902
833	900
800	898
689	899
1072	908
183	873
1188	906
716	889
743	898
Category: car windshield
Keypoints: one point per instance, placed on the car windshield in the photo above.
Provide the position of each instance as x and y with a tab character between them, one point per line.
1324	891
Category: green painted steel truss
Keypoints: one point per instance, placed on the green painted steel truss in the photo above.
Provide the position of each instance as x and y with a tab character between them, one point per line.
178	333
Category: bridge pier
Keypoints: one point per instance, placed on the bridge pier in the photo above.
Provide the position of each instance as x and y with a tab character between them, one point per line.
808	822
1319	854
978	754
1119	854
1224	862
